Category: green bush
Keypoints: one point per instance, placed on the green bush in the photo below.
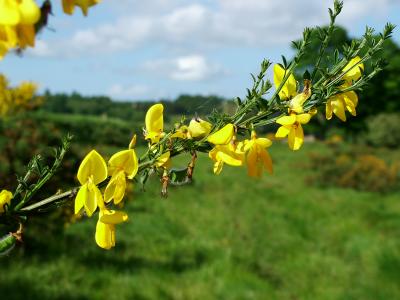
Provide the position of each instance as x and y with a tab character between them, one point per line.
383	130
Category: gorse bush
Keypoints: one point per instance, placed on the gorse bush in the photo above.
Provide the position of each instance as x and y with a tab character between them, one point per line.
383	130
352	168
230	137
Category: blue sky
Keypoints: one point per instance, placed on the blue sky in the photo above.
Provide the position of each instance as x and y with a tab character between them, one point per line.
158	49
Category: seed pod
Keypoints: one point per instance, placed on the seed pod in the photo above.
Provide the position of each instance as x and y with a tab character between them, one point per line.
7	243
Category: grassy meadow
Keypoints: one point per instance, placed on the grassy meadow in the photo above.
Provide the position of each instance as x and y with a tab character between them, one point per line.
226	237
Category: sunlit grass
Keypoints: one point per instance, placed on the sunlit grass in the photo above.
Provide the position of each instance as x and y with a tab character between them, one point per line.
227	237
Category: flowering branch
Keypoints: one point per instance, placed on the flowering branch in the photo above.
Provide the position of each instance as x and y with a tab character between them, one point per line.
228	139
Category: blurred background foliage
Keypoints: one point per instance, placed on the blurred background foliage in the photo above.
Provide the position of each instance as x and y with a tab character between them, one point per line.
326	225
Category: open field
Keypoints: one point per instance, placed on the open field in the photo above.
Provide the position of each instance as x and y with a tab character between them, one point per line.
227	237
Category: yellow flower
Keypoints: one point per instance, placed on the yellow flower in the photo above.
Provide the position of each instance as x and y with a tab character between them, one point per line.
105	228
230	154
222	136
289	89
92	171
291	127
353	69
341	102
338	105
69	5
122	164
199	128
257	156
5	198
154	123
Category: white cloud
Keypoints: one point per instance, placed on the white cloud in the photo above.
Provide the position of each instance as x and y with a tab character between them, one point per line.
185	68
189	25
355	9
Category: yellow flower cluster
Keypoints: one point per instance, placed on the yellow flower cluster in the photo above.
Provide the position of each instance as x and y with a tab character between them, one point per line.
291	124
93	171
16	98
341	102
251	152
17	20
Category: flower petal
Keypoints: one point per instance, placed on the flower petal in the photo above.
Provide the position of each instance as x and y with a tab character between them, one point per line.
289	89
68	6
26	35
267	161
93	199
328	110
264	142
287	120
154	119
229	158
120	188
254	167
299	137
351	101
9	13
104	235
125	160
29	12
303	118
350	106
113	217
356	70
115	188
296	138
222	136
80	198
338	109
283	131
92	165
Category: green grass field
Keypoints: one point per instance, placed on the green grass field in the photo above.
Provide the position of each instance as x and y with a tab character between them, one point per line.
227	237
